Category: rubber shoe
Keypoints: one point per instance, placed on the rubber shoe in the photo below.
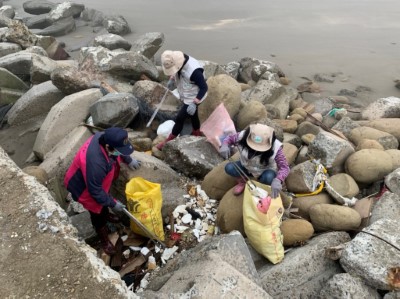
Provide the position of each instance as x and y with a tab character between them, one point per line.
161	144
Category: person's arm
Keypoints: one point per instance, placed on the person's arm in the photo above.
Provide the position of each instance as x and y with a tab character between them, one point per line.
96	171
233	139
282	164
198	78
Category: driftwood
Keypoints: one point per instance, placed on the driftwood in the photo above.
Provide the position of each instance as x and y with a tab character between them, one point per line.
131	265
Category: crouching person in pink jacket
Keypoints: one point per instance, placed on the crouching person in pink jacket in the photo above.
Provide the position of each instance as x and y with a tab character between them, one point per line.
91	174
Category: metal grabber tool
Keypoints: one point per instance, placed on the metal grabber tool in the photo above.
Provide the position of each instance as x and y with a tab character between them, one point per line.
260	196
149	234
158	108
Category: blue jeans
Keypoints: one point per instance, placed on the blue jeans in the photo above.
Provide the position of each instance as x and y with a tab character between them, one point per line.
265	178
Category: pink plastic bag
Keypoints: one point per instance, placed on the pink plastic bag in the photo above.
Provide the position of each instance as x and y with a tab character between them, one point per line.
217	126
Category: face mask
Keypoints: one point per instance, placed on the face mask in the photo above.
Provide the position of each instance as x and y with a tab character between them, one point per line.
116	153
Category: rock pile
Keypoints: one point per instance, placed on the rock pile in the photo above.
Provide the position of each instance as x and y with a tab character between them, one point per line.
358	147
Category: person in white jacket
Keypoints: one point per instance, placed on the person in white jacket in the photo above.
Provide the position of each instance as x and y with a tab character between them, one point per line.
188	75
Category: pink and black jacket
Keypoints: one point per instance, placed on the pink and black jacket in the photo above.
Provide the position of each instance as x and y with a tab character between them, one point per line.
91	174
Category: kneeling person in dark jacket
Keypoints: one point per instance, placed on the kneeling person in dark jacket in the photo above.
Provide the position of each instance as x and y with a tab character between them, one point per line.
91	174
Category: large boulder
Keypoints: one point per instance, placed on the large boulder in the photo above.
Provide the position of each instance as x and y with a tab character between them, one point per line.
217	182
395	156
148	44
369	165
305	203
191	155
296	231
345	125
25	64
344	184
368	257
345	285
11	87
392	181
251	112
112	42
65	10
382	108
301	178
120	63
35	102
304	270
9	48
63	117
114	110
387	140
217	267
58	28
252	69
221	89
387	207
117	25
331	150
230	213
388	125
38	7
265	92
328	217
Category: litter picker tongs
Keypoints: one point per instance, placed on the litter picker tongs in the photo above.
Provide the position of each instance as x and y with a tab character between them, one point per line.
149	234
255	191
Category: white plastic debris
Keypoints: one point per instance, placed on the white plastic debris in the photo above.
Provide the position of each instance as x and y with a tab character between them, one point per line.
186	218
144	251
180	228
134	248
157	249
168	252
124	238
145	281
126	253
43	214
181	209
196	233
198	224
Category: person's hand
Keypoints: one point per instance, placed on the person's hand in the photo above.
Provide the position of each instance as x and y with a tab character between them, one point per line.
134	164
119	207
196	101
224	151
191	109
276	187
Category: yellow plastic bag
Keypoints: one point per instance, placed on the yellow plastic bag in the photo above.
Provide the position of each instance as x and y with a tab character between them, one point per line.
263	230
144	202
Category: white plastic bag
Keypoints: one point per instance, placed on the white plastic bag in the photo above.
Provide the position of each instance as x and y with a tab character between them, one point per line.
165	128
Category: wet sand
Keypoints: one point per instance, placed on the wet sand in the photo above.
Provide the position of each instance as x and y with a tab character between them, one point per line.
358	38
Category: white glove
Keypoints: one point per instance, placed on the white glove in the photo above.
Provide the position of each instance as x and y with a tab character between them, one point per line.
119	207
191	109
224	151
135	164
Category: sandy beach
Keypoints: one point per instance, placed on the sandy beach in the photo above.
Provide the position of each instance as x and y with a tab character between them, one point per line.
357	39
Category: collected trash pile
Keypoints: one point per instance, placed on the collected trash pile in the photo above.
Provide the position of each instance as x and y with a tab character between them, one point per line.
137	256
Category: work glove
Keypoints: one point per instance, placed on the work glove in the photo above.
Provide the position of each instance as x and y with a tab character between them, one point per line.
276	187
119	207
191	109
134	164
224	151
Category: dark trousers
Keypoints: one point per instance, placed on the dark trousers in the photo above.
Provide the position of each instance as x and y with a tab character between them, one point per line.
99	220
180	120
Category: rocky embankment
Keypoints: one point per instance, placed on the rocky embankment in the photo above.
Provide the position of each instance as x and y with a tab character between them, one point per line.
343	239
